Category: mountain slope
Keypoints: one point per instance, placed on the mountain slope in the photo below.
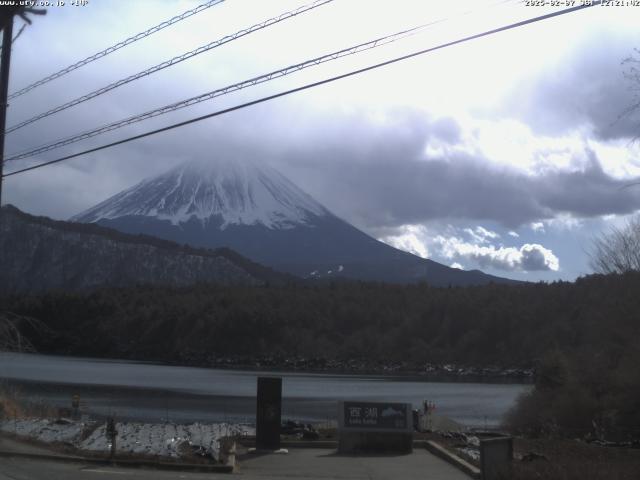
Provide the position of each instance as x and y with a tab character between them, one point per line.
234	193
37	253
256	211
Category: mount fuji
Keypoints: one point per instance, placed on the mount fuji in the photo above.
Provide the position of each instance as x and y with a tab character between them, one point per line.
253	209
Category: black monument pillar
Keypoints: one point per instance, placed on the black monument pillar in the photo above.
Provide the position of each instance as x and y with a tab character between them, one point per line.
268	413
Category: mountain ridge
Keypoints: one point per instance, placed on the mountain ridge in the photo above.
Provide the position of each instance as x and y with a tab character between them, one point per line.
254	210
39	253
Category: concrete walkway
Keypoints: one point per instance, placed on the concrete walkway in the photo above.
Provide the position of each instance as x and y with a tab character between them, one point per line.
311	463
31	469
10	445
299	463
303	463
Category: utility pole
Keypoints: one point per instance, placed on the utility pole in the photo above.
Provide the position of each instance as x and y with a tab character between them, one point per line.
7	39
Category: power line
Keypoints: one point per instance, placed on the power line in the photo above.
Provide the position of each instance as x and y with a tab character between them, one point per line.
378	42
214	93
311	85
173	61
117	46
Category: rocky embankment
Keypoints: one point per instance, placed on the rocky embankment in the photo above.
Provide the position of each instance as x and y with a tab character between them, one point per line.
361	366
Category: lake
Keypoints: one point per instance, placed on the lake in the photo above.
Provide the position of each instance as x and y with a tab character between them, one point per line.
151	392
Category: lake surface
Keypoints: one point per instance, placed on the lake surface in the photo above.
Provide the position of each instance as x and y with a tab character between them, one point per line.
150	392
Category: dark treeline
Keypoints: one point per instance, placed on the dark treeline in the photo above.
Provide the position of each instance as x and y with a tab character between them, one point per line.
598	316
582	338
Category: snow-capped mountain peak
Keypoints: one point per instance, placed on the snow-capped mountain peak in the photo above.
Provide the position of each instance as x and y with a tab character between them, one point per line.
237	192
254	210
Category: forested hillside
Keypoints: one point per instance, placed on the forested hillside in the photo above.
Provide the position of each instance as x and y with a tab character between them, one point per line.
37	254
382	324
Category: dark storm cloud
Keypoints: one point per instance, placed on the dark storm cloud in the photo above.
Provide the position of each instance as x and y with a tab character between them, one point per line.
447	130
589	192
587	87
371	172
368	168
381	178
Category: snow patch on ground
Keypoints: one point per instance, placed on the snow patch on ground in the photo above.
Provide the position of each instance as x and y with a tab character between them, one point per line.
163	440
473	452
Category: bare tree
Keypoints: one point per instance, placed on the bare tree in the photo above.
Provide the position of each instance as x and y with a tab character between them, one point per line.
11	337
618	250
7	13
632	74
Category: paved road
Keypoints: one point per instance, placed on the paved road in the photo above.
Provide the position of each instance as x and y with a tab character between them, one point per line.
327	464
26	469
299	463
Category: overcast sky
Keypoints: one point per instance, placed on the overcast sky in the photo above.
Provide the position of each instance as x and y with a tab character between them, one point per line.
507	153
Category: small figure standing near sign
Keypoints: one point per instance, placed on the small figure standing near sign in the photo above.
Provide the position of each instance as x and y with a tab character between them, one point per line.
75	406
428	408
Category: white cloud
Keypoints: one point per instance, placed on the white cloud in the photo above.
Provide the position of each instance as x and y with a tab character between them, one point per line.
529	257
513	234
620	158
537	227
565	222
512	144
409	240
452	246
481	234
536	257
